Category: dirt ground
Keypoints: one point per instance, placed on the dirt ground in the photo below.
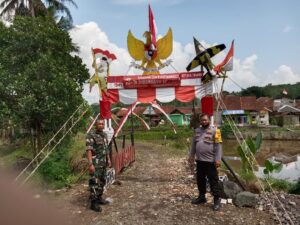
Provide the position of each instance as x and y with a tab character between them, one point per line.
156	189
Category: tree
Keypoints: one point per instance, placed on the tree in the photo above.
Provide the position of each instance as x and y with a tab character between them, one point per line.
254	90
41	81
35	8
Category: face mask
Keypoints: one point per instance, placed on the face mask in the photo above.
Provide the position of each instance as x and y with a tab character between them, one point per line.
205	126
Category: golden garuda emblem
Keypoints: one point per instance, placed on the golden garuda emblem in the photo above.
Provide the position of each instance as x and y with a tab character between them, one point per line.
151	52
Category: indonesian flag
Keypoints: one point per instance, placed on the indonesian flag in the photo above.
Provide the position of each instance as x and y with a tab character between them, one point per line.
227	64
103	55
285	92
152	27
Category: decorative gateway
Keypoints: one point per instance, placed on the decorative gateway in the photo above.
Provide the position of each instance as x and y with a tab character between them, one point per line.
151	86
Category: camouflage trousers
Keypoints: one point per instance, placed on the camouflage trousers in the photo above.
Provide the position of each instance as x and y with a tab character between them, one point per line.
97	182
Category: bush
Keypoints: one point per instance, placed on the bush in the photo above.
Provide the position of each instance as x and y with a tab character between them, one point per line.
57	171
280	185
226	130
295	189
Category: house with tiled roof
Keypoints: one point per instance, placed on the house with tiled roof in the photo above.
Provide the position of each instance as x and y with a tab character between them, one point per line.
246	109
231	107
182	115
179	115
297	103
139	110
286	112
248	104
264	106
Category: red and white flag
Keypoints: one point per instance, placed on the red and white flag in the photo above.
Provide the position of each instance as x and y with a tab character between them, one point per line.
284	91
103	55
152	27
227	64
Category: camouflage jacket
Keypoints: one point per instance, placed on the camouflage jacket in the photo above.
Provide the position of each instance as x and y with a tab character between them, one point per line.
97	142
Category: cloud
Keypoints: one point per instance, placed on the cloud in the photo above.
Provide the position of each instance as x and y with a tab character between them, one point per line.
284	75
287	29
89	35
244	74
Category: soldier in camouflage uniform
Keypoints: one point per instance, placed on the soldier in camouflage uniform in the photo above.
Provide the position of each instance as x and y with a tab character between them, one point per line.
97	151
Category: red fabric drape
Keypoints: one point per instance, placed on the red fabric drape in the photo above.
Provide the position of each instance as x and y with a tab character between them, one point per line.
105	112
207	104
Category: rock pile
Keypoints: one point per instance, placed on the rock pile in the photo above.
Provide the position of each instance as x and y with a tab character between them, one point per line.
286	207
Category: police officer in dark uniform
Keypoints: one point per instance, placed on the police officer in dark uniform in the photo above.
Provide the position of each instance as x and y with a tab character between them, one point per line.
207	151
97	151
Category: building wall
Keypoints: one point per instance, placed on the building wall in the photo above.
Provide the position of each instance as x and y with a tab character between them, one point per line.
291	120
263	118
252	117
177	119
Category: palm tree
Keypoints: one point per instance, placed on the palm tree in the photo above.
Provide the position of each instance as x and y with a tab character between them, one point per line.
10	7
59	7
36	8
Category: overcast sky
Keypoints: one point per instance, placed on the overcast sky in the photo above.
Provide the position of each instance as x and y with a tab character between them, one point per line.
266	34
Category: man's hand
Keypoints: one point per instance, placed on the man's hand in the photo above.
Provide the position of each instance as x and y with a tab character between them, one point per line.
191	160
192	165
217	163
109	164
91	169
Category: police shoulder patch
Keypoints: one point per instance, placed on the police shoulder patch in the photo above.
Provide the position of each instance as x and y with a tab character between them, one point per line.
218	137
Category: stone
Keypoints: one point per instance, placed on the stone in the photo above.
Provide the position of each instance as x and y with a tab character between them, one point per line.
231	189
292	203
246	199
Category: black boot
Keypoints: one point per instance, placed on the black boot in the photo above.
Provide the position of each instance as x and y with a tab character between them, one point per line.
102	201
217	204
200	200
95	206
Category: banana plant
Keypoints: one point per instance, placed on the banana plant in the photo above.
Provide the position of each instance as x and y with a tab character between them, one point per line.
247	151
271	167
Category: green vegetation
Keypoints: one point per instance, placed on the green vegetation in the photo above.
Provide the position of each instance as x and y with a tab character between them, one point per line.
271	167
58	170
165	134
279	185
273	91
41	81
12	156
283	185
39	8
226	130
61	168
247	151
295	189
